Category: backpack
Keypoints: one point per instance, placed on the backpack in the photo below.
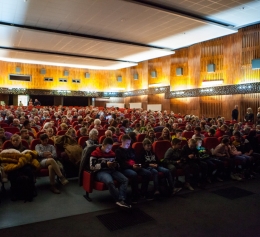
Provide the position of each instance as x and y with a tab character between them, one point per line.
22	184
85	160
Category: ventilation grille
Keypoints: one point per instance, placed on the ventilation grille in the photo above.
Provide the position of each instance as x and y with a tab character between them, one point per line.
63	80
48	79
75	80
20	77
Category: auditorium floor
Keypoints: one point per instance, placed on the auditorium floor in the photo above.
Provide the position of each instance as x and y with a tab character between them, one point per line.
198	213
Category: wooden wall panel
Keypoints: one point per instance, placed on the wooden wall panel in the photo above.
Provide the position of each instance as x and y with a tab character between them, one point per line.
101	80
159	99
162	66
179	60
194	66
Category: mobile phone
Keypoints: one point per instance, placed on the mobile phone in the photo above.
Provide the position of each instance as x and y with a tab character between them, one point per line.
138	164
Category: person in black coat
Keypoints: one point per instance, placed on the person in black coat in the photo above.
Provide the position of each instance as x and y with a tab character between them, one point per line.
235	113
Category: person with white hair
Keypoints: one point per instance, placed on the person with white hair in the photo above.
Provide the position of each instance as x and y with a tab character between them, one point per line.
97	124
93	137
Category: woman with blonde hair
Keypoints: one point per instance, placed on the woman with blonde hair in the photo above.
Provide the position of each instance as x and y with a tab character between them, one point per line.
249	117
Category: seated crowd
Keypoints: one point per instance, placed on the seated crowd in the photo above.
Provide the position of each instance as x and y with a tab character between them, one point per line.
62	133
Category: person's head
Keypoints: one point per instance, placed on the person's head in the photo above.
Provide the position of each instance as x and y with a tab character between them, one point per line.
83	131
249	110
178	133
71	132
165	132
175	125
93	134
24	134
211	132
257	127
16	140
64	126
137	126
197	131
22	119
147	144
117	131
16	122
97	122
225	141
198	142
150	133
49	132
126	141
125	123
2	132
108	133
188	127
176	143
44	139
107	145
236	106
192	143
26	124
237	136
224	127
132	135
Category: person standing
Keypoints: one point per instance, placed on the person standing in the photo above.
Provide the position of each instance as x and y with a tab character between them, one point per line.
235	113
37	103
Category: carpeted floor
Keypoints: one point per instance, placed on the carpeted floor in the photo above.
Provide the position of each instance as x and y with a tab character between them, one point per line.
196	214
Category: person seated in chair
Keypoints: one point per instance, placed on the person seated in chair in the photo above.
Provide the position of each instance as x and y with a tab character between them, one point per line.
149	162
93	137
102	162
47	155
25	136
172	161
16	141
131	168
190	155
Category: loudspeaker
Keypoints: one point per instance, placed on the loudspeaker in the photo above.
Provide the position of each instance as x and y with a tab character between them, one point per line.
66	73
153	74
179	71
136	76
119	78
256	63
43	71
17	69
87	75
211	67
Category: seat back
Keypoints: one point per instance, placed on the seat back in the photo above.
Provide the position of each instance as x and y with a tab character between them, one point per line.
188	135
12	130
39	134
138	148
82	141
158	134
140	137
160	148
101	139
210	143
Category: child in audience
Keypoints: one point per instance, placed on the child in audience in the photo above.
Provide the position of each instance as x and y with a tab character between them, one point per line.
222	153
131	168
178	134
102	161
47	155
213	164
210	133
149	162
151	136
16	141
173	161
197	134
166	136
190	155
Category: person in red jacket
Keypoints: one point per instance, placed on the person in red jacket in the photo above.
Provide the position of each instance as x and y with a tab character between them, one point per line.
102	161
222	131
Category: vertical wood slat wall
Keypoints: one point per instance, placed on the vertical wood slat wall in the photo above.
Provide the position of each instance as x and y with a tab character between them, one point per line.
231	54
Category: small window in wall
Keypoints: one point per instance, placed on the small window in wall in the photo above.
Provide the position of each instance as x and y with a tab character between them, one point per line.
75	80
48	79
63	80
13	77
